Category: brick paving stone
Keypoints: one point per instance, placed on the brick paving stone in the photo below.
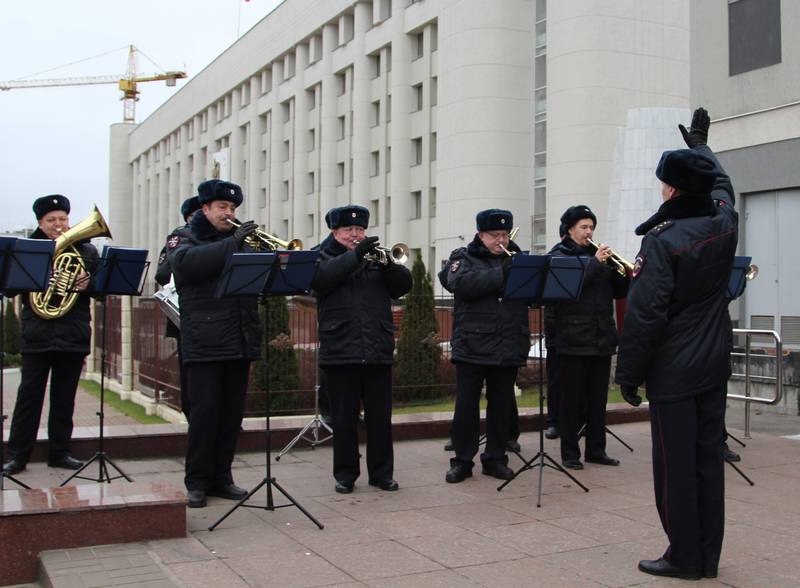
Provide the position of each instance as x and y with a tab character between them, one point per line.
431	533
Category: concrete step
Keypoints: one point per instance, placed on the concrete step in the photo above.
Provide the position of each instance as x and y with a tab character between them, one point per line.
129	564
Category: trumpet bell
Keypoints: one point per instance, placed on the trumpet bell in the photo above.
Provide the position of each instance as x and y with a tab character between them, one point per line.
752	272
399	253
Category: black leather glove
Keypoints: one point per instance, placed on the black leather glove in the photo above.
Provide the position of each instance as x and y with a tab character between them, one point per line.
366	246
245	230
697	134
631	394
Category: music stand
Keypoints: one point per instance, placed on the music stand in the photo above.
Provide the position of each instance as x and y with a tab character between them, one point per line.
314	425
536	279
25	266
281	273
737	282
122	272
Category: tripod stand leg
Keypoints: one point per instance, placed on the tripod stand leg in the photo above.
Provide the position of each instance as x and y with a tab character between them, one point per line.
610	432
76	473
5	476
297	504
238	504
740	472
313	425
739	441
555	465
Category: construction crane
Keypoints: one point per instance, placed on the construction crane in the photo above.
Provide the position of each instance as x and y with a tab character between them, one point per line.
128	83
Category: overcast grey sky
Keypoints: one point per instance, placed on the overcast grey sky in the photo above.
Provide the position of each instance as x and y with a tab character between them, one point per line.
55	140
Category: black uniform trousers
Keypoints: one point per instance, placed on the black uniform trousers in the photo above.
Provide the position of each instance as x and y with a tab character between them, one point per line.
348	387
217	393
583	384
553	397
689	478
172	332
499	406
64	370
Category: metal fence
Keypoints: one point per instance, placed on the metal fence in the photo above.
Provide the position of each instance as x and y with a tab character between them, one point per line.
420	377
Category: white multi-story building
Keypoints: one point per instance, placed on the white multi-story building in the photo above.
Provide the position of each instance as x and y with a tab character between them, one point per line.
424	111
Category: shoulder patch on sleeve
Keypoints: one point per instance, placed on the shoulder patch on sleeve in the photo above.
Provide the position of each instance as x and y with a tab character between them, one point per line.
173	241
455	265
638	265
661	227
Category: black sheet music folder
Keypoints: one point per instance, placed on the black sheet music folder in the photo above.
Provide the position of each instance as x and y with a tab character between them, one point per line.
539	278
245	274
29	265
121	271
738	278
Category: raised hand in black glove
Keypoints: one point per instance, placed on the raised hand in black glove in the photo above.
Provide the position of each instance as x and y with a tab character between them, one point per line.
697	134
366	246
631	394
245	230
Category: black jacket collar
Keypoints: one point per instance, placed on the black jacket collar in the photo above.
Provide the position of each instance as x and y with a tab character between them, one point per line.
478	249
683	206
39	234
331	246
569	247
202	228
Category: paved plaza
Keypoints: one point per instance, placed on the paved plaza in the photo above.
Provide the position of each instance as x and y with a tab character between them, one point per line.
431	533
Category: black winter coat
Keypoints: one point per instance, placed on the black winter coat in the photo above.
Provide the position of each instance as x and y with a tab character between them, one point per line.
354	306
69	333
164	274
212	329
487	330
586	326
164	271
677	333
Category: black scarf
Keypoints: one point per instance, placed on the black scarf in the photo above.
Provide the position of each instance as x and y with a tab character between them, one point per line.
202	228
478	249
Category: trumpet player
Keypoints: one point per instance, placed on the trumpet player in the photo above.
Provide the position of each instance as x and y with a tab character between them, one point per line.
219	339
163	276
585	337
490	342
356	338
54	348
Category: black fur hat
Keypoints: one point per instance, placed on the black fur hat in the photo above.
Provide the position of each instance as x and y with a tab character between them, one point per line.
189	206
211	190
575	213
687	170
45	204
494	219
345	216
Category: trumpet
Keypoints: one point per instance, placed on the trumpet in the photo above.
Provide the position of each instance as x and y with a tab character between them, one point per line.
511	235
397	253
621	265
261	240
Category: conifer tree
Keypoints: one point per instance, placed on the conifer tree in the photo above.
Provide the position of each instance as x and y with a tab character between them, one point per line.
418	354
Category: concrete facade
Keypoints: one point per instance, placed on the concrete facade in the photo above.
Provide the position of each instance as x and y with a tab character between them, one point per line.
756	132
424	111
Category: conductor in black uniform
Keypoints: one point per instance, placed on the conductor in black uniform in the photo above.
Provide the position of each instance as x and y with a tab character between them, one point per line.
219	339
163	277
356	337
54	348
676	341
491	340
585	337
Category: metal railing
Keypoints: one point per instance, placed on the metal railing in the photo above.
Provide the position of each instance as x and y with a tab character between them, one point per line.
777	379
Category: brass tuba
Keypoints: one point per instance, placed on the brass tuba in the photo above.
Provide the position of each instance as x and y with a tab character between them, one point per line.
61	295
